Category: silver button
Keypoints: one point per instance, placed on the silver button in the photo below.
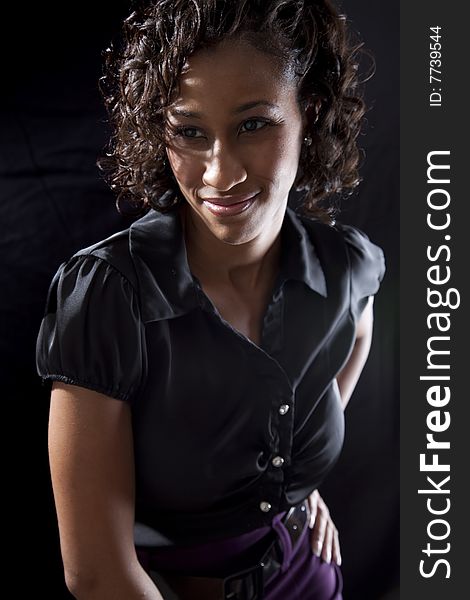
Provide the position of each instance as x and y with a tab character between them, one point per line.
283	409
265	506
278	461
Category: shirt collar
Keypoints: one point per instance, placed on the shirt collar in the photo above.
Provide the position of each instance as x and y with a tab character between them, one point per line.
299	260
167	286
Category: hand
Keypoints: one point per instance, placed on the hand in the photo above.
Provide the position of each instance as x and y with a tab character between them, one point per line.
324	538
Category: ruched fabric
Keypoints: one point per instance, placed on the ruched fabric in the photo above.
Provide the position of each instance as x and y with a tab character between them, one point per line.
91	334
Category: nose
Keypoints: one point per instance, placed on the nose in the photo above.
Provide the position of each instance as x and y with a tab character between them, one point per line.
224	169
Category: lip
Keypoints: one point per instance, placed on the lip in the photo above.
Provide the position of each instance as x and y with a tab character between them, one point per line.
229	205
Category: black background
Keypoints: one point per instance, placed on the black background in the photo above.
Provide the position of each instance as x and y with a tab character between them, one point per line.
54	202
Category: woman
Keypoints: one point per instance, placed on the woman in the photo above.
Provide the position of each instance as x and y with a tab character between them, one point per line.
202	358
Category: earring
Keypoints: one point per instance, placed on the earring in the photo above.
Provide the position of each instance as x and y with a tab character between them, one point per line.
307	140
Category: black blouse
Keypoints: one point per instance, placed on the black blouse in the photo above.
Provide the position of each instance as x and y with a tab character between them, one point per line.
226	433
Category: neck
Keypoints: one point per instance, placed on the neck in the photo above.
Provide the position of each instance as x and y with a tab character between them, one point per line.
244	267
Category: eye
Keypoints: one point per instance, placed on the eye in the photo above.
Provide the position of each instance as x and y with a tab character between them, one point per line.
250	122
191	133
187	132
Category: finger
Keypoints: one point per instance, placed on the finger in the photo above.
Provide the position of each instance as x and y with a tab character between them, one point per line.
336	555
313	505
322	511
328	544
318	532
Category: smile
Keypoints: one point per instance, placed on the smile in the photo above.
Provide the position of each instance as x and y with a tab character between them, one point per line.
228	206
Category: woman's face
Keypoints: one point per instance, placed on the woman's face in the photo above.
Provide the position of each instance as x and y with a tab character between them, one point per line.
235	151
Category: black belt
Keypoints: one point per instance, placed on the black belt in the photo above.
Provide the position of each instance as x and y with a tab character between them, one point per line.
243	585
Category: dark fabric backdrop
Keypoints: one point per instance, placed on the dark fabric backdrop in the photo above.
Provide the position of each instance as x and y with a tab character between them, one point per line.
54	202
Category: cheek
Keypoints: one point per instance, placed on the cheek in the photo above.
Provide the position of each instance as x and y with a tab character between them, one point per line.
278	159
186	170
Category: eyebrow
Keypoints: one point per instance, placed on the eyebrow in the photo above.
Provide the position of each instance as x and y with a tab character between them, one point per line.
239	109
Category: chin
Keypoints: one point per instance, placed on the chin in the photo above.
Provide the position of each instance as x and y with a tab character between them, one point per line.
233	238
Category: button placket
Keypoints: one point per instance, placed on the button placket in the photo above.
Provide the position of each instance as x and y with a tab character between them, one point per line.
285	417
278	387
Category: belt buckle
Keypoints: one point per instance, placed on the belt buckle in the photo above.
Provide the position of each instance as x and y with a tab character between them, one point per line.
296	519
249	583
245	585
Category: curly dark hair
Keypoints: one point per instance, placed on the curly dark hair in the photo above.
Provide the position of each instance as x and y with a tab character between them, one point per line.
141	75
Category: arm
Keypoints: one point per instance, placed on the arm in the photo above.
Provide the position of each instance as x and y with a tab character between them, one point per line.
349	374
92	469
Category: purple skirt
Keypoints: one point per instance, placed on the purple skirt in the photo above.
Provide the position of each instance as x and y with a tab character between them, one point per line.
303	575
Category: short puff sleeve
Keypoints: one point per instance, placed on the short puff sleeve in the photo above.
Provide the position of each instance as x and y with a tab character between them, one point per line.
91	333
366	264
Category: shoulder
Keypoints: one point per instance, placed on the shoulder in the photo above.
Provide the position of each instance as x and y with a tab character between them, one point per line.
94	277
366	259
347	249
329	244
340	234
112	254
